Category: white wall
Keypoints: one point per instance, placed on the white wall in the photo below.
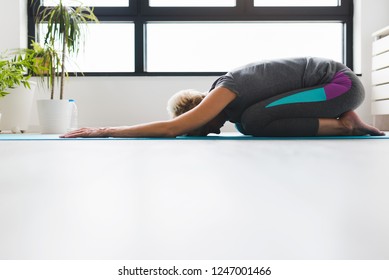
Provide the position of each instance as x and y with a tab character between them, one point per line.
13	24
106	101
370	15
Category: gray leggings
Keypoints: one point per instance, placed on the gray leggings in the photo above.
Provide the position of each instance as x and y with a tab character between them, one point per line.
297	113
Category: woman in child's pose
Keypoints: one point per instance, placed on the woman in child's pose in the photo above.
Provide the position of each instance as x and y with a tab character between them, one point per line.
286	97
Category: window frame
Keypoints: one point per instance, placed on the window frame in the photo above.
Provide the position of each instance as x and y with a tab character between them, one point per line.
139	12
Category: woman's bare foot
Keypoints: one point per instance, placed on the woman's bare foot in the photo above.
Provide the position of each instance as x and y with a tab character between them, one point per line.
356	126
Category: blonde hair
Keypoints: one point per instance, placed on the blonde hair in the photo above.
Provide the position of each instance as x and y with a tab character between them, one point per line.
183	101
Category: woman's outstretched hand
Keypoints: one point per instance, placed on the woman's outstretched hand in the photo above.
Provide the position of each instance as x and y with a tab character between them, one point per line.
86	133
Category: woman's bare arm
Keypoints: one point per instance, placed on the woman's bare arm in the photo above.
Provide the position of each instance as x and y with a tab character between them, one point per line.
208	109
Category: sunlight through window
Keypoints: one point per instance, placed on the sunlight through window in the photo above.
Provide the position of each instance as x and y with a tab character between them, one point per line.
196	47
192	3
291	3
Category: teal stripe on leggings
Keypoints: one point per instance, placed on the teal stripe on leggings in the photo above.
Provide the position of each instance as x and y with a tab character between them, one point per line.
312	95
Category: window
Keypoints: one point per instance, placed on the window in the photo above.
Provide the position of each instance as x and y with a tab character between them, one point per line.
91	3
192	3
295	3
105	49
207	37
165	51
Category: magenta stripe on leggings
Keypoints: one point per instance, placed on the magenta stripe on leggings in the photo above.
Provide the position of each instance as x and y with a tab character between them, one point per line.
339	85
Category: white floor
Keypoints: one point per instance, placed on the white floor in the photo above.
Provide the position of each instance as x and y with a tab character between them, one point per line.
180	199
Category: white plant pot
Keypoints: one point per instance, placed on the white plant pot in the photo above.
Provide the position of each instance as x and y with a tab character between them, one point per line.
54	116
15	108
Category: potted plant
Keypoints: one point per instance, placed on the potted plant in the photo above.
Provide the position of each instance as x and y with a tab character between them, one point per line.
16	89
66	29
13	70
48	64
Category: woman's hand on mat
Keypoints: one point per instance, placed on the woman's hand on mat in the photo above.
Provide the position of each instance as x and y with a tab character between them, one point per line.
86	132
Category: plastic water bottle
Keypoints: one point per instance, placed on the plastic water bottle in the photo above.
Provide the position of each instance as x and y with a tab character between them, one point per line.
73	115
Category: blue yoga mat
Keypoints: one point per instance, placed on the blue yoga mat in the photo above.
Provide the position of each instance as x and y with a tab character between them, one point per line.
52	137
